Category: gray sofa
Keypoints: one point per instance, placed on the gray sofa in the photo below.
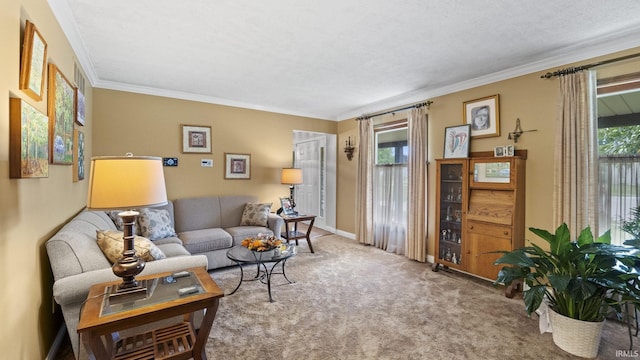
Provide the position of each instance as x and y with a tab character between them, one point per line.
206	228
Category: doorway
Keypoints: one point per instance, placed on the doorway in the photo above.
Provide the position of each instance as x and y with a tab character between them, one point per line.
315	154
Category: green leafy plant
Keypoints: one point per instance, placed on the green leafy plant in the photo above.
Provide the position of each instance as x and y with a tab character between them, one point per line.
632	226
581	279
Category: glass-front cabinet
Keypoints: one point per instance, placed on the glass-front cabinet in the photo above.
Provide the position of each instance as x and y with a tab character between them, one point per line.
479	212
451	197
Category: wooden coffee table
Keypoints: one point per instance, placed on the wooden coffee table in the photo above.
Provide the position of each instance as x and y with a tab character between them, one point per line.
294	234
103	316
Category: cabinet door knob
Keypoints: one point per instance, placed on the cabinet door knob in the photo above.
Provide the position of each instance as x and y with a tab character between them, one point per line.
471	227
506	233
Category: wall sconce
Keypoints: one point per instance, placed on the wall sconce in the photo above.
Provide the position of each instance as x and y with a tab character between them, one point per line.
348	149
517	132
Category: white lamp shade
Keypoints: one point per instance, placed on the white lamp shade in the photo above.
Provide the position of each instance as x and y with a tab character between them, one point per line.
291	176
126	182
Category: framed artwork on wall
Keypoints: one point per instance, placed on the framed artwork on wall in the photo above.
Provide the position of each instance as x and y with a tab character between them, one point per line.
456	142
483	115
80	116
28	141
78	155
62	111
33	62
237	166
196	139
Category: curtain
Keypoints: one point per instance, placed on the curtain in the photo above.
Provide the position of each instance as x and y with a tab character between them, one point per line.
364	186
417	185
390	208
575	163
619	193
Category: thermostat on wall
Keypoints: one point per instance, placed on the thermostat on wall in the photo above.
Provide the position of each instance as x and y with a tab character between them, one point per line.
170	161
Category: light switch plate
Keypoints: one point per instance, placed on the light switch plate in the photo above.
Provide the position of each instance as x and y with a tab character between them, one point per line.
206	162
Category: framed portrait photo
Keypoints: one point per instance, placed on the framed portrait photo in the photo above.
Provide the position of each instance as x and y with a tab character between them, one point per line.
456	142
196	139
499	151
483	115
33	62
237	166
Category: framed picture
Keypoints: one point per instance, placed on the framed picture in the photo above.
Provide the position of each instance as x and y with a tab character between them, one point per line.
28	141
483	115
509	150
78	155
33	63
499	151
287	209
62	111
196	139
456	142
81	107
237	166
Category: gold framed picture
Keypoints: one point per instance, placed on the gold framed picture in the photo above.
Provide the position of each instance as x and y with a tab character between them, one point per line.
28	141
33	63
196	139
483	115
62	112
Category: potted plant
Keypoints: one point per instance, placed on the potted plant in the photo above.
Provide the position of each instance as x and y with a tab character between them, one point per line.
580	280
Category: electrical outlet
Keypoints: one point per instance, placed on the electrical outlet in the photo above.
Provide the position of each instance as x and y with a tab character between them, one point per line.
206	162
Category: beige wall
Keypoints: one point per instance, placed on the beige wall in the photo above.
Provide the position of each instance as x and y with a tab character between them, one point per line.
150	125
31	209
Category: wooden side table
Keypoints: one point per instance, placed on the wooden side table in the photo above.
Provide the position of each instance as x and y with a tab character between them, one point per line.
294	234
104	315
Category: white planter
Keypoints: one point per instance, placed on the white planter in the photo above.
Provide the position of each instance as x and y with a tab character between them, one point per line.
577	337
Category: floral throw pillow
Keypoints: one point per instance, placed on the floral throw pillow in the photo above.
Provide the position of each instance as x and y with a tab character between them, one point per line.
112	245
255	214
155	224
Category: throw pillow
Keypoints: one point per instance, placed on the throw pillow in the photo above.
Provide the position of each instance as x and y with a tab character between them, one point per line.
255	214
155	224
112	245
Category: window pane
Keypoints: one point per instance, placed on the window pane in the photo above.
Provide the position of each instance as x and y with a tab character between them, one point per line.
392	146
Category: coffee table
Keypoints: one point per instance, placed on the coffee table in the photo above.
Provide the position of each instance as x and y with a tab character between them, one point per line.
104	316
243	256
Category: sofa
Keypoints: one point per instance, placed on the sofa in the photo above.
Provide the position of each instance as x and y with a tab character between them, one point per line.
189	232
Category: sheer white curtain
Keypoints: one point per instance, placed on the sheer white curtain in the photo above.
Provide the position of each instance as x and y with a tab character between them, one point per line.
390	208
575	166
619	193
364	184
417	186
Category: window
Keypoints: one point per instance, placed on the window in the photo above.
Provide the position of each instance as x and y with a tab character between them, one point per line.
391	143
618	152
390	185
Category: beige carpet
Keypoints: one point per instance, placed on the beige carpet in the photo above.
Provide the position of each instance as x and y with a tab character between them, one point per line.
350	301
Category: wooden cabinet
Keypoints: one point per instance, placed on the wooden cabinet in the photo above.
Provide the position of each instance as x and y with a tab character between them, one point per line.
491	209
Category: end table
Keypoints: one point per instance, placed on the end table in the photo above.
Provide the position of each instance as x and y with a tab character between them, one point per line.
294	234
104	315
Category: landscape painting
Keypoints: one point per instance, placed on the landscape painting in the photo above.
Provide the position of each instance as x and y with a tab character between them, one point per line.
28	142
62	110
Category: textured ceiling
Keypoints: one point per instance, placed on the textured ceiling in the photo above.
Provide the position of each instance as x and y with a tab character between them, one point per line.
333	59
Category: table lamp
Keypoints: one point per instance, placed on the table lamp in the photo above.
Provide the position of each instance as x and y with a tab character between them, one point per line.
128	183
291	177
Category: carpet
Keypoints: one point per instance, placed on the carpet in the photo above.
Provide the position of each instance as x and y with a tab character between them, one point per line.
351	301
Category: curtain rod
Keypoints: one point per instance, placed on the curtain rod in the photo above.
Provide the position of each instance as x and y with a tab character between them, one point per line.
571	70
417	106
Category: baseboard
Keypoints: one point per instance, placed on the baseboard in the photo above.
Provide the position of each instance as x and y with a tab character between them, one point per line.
346	234
55	347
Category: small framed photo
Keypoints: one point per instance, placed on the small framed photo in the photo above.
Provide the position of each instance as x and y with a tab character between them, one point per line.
483	115
456	142
196	139
499	151
509	150
33	62
237	166
78	155
287	209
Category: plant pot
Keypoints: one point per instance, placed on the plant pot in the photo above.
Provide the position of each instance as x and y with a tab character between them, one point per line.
577	337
